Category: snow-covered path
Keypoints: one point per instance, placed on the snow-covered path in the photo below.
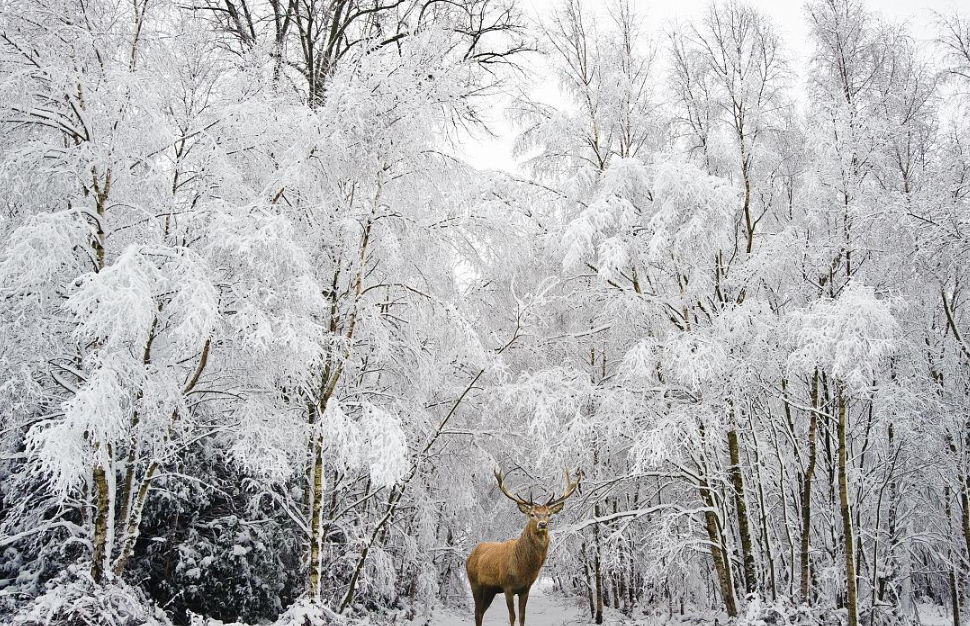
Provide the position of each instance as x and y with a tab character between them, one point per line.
545	609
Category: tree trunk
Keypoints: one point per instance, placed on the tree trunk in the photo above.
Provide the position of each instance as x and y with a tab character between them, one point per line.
964	497
589	584
954	590
597	572
954	597
850	580
316	541
102	518
965	513
807	495
133	520
763	511
103	482
749	224
737	484
717	553
782	480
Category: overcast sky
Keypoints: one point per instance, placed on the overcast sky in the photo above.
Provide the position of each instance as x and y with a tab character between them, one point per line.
788	16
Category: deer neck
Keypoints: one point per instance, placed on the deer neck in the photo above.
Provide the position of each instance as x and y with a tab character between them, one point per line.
531	547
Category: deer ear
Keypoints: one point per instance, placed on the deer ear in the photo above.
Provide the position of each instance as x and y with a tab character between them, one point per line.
524	508
555	508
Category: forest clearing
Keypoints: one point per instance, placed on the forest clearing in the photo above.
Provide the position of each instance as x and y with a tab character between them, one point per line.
373	312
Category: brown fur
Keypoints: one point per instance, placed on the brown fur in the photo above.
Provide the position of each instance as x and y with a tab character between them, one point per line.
513	566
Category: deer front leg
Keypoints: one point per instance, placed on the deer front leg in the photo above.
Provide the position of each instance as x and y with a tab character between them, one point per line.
510	601
523	598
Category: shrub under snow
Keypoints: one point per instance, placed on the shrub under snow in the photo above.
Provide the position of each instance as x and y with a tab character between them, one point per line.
73	599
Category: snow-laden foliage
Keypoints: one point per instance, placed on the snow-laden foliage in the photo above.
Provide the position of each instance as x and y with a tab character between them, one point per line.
849	337
264	339
668	213
74	599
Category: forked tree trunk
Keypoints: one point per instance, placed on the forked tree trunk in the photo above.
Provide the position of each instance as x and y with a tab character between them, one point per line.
134	502
850	579
806	581
127	499
330	377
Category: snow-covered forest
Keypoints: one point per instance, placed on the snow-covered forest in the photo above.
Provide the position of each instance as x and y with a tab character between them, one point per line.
265	335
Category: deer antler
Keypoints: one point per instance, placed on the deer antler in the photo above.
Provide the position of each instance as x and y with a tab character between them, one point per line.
513	497
570	488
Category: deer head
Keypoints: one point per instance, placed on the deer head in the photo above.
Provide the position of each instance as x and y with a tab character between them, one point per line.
539	515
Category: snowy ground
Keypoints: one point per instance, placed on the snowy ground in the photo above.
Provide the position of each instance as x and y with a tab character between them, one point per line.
545	609
549	609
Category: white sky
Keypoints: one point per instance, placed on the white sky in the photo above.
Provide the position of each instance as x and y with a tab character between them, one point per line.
788	16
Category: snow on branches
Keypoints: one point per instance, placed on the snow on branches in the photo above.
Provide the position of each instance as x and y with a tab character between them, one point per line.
850	337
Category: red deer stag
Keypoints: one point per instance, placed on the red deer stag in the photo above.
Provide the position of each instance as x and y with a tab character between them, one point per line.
512	566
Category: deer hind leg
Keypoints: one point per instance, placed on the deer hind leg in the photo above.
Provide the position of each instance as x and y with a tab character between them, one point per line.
489	595
483	599
510	601
478	597
523	599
